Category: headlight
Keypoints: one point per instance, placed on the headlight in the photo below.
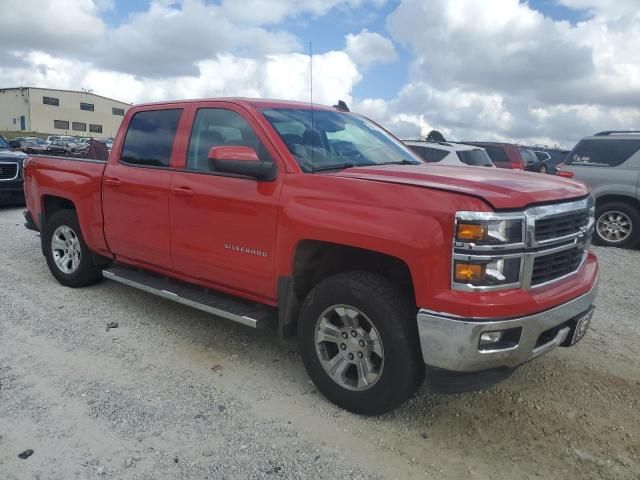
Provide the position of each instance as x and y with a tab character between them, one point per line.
494	272
487	248
479	229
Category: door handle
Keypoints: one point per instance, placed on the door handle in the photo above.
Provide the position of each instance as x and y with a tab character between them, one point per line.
114	182
183	191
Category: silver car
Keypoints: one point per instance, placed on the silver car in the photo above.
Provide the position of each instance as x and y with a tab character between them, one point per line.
609	163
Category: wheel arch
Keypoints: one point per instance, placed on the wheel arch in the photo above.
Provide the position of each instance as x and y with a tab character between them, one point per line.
315	260
612	198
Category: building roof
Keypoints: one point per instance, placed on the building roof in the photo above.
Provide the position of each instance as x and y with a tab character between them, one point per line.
67	91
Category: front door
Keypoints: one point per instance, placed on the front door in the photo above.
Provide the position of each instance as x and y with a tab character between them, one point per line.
136	191
224	227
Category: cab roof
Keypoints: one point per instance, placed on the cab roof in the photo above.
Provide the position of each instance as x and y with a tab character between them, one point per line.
257	103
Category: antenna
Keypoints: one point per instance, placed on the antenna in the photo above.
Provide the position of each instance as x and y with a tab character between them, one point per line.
311	74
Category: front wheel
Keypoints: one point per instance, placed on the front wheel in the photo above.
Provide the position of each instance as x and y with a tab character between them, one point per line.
67	254
359	341
617	225
543	169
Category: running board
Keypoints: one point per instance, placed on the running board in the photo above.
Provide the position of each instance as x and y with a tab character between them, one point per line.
219	304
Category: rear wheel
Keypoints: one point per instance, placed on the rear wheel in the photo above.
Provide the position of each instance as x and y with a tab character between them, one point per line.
617	225
67	254
359	342
543	169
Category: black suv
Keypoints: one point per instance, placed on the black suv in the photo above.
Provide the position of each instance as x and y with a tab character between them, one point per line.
11	190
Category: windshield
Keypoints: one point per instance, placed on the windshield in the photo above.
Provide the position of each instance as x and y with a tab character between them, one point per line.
3	144
476	157
326	140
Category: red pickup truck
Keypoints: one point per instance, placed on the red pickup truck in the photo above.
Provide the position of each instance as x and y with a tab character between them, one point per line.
317	220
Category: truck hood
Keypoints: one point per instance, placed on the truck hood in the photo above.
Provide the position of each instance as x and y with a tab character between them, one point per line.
502	189
10	155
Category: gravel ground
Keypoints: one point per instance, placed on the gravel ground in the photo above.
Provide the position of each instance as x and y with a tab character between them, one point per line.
175	393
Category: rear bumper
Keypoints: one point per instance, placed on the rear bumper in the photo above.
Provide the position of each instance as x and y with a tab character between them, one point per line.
453	343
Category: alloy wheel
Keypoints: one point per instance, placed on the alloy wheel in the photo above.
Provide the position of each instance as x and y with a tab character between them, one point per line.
349	347
65	246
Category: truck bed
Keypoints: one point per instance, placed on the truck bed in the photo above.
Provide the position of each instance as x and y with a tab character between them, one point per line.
76	179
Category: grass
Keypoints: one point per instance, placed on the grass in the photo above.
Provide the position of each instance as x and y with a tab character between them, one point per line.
10	135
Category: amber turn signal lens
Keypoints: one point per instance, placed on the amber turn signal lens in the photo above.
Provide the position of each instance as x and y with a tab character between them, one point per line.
469	272
471	231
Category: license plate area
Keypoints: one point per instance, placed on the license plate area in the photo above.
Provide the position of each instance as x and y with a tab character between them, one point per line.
580	326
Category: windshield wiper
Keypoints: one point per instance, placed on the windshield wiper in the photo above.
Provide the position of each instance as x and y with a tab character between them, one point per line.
404	161
340	166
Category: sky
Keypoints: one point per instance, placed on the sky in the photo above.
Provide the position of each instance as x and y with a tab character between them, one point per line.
534	72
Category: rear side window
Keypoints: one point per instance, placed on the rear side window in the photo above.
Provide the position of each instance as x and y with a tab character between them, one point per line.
602	153
150	136
497	154
429	154
528	156
475	157
542	156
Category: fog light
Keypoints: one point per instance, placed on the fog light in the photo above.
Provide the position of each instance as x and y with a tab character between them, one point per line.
488	338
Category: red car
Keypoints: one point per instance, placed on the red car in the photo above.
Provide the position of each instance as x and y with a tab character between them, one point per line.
505	155
319	221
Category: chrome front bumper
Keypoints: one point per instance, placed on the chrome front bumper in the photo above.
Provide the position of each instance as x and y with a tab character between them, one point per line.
452	343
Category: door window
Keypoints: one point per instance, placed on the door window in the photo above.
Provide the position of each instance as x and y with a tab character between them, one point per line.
602	153
214	127
150	136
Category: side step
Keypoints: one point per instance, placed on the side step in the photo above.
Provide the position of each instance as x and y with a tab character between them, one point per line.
219	304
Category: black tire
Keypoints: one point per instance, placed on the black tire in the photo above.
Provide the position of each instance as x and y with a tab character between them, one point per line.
630	212
544	169
86	272
394	317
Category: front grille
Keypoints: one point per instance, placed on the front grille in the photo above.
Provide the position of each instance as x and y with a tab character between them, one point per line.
8	171
555	265
561	226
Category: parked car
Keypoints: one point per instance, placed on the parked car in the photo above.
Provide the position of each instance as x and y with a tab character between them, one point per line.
33	145
67	138
609	162
16	143
11	191
503	155
445	153
550	158
64	147
320	221
531	161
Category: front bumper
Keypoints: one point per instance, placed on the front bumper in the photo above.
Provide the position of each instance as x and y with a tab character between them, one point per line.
452	343
11	191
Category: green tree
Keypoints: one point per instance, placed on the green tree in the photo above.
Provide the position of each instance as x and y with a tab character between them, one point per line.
435	136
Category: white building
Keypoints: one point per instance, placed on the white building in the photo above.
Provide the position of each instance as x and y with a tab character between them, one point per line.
62	112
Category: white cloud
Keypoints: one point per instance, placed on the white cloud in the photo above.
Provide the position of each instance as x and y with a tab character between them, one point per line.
260	12
500	69
63	25
367	48
496	69
284	76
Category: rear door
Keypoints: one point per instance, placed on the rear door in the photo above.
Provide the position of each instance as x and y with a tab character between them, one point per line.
224	226
136	190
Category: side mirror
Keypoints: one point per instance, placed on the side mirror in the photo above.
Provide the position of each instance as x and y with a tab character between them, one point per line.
239	160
